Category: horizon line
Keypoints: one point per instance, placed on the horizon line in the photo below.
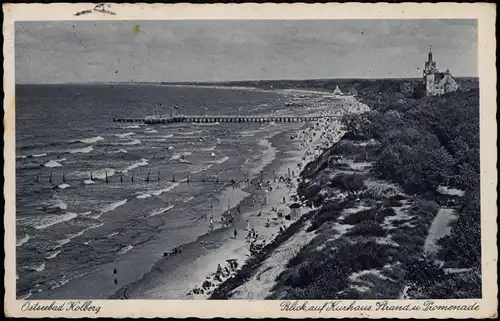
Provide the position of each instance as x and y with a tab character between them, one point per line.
224	81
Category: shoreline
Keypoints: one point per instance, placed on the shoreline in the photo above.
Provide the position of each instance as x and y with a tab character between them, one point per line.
194	267
215	241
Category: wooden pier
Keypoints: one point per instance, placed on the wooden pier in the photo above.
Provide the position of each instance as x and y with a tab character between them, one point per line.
223	119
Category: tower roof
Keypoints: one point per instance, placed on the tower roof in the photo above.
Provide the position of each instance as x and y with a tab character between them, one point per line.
429	57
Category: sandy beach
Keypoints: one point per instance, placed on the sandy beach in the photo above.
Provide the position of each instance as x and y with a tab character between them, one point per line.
264	210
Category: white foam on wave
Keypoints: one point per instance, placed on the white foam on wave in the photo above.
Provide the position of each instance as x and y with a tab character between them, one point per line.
159	211
21	156
53	163
170	147
132	126
150	131
62	242
60	204
64	185
157	192
53	254
179	155
222	160
101	173
168	136
90	140
201	168
129	142
91	226
110	207
37	268
141	196
85	150
39	155
50	220
209	149
23	240
188	199
125	249
112	234
88	181
125	134
142	162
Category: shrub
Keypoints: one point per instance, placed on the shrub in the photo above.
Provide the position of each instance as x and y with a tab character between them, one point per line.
366	228
424	209
349	182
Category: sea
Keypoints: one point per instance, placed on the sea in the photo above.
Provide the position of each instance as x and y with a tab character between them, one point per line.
93	195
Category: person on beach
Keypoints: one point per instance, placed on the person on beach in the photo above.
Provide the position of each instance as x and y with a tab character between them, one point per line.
235	233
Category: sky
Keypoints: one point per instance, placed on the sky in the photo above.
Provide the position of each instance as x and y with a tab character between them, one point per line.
230	50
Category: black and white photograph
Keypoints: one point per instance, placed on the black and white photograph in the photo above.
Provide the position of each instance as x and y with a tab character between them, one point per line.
247	160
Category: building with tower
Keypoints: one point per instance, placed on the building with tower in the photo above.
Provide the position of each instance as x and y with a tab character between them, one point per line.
437	83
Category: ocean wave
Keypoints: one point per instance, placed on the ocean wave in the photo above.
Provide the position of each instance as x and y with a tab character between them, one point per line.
142	162
187	199
63	186
101	173
209	149
132	126
89	140
21	157
62	242
50	220
53	163
39	155
145	195
125	134
179	155
222	160
129	142
110	207
55	284
53	254
201	168
69	237
85	150
157	192
150	131
159	211
36	268
125	249
23	240
88	181
60	204
168	136
91	226
112	234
